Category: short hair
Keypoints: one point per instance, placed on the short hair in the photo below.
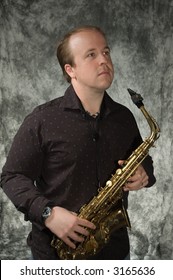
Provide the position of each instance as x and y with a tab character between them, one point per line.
64	54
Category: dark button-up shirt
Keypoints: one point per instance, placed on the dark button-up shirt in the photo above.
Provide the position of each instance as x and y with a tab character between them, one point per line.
61	155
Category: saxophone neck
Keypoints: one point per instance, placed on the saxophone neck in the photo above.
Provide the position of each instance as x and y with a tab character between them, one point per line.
138	101
154	127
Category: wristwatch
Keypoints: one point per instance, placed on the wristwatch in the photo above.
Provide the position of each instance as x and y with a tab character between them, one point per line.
46	212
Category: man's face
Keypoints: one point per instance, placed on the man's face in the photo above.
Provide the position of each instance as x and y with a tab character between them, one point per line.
93	67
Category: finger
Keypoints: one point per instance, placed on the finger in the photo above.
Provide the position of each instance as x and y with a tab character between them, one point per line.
82	230
86	223
121	162
75	214
136	184
137	181
68	241
135	177
76	237
145	182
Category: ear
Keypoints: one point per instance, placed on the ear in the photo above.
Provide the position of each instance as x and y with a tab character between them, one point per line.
69	70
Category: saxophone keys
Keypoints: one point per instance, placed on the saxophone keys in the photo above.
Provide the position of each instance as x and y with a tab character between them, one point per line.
119	171
109	183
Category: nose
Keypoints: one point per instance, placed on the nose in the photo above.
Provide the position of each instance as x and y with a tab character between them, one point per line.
103	59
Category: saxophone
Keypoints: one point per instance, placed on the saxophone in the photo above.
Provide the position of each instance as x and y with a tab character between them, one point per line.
106	209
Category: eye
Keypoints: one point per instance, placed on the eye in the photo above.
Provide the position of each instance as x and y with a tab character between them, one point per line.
91	54
107	52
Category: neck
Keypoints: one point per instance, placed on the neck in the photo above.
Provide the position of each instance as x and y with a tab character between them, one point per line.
90	99
92	104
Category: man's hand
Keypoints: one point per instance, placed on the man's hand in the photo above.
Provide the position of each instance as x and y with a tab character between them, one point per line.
68	226
137	181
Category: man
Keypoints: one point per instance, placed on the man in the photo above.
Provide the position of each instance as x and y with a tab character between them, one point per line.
67	148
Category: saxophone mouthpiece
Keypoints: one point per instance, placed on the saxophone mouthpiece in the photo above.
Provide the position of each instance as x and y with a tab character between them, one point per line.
136	98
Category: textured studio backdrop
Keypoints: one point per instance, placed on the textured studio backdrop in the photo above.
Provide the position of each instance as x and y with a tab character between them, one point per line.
140	33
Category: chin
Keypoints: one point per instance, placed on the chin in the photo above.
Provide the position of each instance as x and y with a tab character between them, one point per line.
106	86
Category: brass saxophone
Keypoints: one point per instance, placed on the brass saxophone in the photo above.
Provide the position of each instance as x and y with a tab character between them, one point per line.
106	209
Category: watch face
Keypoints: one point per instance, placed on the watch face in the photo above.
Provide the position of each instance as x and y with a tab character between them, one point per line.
46	212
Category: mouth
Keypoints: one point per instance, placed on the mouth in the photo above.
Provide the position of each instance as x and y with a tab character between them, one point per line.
104	73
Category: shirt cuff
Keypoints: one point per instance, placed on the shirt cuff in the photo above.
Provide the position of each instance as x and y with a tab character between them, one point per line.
36	210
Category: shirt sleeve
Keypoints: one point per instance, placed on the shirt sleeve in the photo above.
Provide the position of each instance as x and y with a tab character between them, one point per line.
22	168
148	166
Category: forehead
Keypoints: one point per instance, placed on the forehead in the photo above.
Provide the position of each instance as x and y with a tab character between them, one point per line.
87	39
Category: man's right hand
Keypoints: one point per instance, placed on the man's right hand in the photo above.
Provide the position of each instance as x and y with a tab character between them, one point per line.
68	226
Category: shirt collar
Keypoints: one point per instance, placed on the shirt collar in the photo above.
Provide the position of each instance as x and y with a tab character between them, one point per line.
72	101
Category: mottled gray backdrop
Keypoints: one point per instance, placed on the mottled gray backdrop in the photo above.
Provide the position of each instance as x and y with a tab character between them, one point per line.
140	33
